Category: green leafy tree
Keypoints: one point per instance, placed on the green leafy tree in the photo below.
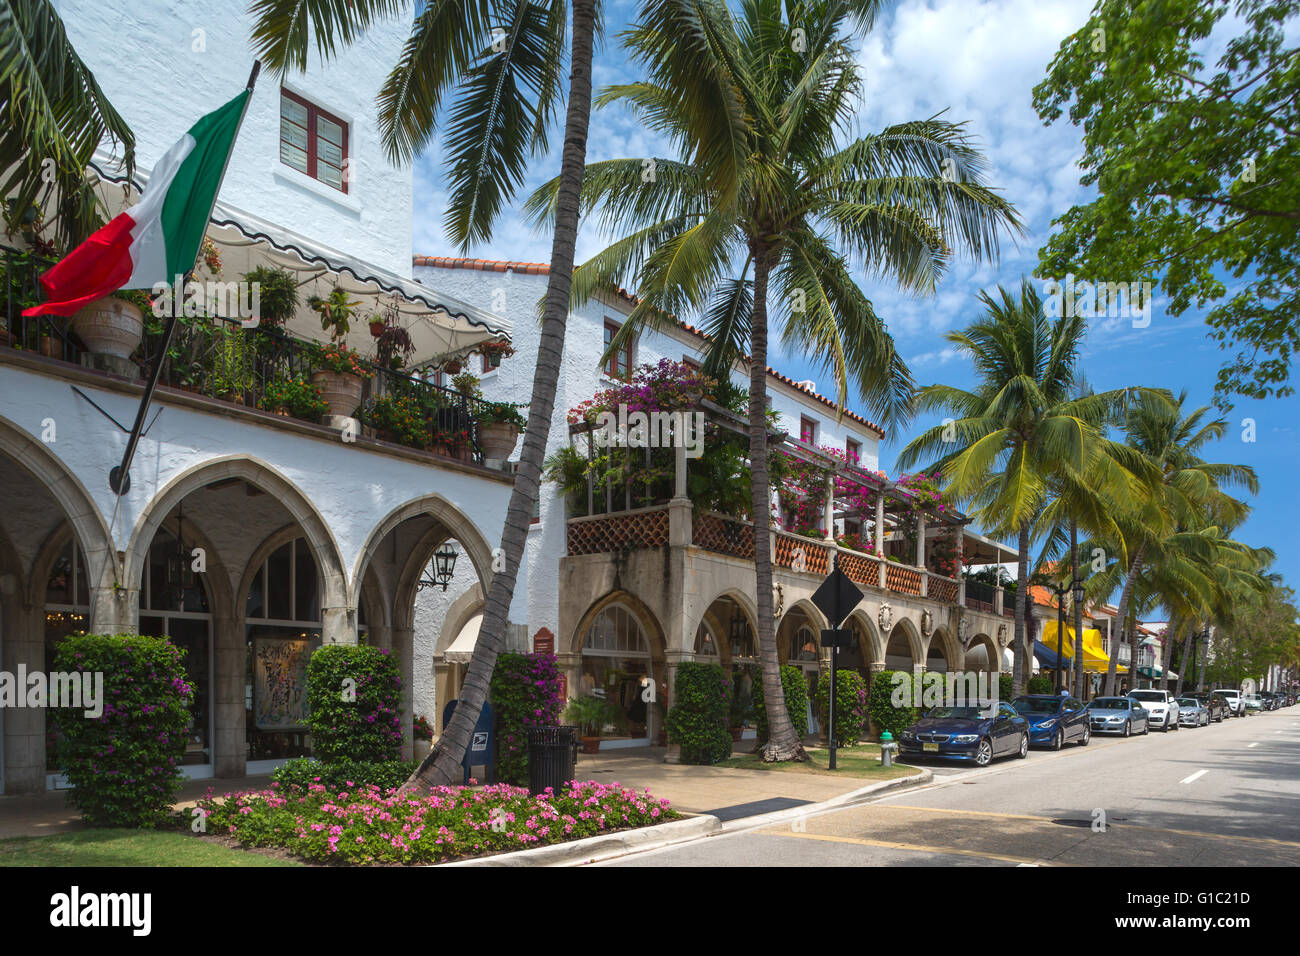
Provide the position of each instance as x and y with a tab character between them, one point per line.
745	224
1196	168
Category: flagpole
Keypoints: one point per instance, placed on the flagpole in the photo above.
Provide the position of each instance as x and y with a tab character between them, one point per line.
119	478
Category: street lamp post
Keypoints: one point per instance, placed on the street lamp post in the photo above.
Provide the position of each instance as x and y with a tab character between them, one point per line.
1075	588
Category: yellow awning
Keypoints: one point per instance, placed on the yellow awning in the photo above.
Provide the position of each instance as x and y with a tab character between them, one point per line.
1095	660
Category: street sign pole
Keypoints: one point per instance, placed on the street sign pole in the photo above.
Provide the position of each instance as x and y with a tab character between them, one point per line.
836	597
830	731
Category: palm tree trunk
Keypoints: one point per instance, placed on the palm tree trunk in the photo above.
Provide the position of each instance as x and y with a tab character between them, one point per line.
783	742
1121	618
443	765
1022	669
1183	659
1166	654
1078	612
1200	663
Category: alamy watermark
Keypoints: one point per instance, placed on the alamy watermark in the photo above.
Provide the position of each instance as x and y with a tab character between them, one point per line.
1098	300
638	429
71	690
229	300
934	689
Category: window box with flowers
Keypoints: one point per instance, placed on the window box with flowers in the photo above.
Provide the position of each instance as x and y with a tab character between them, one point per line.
499	426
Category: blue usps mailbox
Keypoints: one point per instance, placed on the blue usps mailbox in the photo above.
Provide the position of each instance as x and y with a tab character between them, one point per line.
482	743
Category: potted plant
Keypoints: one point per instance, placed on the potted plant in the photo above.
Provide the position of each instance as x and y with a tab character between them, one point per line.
591	714
452	366
466	384
113	325
340	370
232	363
421	737
295	396
499	426
277	291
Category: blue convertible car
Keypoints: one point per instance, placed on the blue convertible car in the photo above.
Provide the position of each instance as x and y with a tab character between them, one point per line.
1054	720
967	733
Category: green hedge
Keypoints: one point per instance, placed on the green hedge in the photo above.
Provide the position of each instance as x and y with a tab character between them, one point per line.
525	692
301	772
124	763
1004	687
850	705
796	701
1041	685
353	697
698	718
883	712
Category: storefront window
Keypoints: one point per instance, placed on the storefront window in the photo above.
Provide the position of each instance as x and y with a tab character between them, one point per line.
616	665
282	617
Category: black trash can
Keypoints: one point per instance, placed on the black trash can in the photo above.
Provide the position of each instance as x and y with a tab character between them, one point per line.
552	757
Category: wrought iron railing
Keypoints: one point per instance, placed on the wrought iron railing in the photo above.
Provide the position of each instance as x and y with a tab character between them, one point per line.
220	358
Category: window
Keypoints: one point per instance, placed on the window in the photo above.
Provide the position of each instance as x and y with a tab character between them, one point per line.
313	141
853	451
620	363
807	431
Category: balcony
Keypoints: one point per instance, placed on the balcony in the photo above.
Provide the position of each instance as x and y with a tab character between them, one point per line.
268	368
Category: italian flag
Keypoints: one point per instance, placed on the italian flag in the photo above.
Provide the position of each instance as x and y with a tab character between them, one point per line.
158	238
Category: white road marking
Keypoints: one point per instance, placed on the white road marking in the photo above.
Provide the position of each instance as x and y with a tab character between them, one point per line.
1256	744
1195	776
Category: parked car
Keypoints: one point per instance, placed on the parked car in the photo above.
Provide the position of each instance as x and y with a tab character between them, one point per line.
1054	720
1254	702
1236	704
1272	699
1215	703
1192	713
1118	715
1162	706
979	734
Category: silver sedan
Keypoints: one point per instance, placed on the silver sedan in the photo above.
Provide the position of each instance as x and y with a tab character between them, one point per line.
1192	713
1118	715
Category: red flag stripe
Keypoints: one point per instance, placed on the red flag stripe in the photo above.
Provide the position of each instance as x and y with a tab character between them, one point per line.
100	265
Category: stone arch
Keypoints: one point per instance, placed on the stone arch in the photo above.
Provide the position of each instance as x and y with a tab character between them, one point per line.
876	644
943	641
307	523
747	609
983	644
656	636
66	488
460	613
454	524
905	634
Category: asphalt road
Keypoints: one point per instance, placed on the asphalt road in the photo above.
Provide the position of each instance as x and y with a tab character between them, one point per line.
1223	795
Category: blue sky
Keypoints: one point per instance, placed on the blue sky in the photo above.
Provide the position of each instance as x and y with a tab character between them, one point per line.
979	61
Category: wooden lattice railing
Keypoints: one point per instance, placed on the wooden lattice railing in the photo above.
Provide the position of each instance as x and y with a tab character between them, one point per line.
628	530
801	554
902	580
943	590
859	567
723	535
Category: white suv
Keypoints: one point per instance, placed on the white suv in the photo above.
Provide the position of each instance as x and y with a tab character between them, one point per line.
1161	705
1236	703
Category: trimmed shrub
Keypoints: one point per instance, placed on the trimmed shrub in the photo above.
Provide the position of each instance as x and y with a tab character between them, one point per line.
124	763
1040	685
301	772
796	702
850	705
884	714
525	692
353	695
1004	687
698	718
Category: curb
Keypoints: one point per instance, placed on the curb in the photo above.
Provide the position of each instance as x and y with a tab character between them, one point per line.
611	846
605	847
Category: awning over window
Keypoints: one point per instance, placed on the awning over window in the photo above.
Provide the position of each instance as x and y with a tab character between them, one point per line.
439	325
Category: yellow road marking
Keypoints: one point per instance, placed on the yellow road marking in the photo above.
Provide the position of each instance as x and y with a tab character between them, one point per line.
1109	826
912	847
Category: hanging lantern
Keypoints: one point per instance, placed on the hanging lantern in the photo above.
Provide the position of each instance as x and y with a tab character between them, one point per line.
180	575
444	566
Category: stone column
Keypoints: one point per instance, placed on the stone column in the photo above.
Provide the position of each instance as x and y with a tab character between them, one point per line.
829	507
114	610
880	537
24	727
229	710
402	641
920	540
338	625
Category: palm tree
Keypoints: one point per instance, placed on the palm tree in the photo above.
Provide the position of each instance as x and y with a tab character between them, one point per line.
1021	428
764	182
1167	444
506	59
55	117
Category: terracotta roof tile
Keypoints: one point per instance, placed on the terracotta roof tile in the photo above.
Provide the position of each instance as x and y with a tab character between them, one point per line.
541	268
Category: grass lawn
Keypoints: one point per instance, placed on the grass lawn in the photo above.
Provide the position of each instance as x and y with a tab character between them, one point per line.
127	848
862	760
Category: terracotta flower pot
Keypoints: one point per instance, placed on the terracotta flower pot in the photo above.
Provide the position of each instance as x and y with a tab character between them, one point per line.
452	368
341	391
590	745
110	326
497	440
420	748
